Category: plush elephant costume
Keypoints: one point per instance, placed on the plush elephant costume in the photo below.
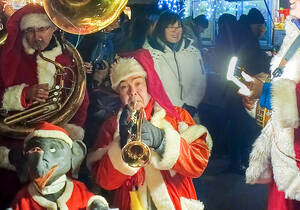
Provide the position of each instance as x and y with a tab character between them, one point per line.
49	154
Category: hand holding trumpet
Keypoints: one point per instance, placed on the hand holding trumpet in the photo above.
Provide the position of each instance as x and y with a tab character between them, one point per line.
151	135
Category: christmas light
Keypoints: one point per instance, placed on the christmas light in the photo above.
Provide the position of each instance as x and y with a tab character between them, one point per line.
176	6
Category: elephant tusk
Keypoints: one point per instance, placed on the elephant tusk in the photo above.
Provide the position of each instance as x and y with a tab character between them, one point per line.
42	181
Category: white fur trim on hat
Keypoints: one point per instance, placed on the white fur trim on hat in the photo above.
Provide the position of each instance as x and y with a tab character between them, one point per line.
35	20
123	69
50	134
75	132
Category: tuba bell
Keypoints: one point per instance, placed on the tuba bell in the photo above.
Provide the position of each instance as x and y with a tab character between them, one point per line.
135	153
84	16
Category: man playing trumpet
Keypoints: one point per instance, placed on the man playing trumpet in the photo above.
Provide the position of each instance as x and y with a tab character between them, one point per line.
180	149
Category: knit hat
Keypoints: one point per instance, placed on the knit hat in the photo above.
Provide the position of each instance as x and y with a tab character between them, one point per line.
48	130
255	17
124	68
154	85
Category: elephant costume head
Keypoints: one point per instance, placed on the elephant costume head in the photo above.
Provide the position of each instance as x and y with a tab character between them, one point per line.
49	155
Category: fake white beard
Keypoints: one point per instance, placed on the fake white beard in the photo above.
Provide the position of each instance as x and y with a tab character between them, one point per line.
54	187
27	48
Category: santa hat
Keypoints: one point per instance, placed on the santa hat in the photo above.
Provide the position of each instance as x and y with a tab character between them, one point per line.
12	49
48	130
35	20
123	69
141	61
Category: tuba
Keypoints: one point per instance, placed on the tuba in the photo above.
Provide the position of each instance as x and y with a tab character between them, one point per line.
3	34
66	96
61	105
135	153
3	19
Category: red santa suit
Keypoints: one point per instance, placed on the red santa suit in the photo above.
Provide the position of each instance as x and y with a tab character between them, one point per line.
75	196
275	157
21	67
168	179
166	182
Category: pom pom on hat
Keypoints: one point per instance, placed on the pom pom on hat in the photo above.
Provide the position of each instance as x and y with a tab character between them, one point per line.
123	69
48	130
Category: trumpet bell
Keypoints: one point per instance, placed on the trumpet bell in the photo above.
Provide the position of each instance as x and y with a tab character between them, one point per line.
136	154
83	16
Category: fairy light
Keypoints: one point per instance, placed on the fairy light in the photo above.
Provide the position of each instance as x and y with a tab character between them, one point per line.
211	8
176	6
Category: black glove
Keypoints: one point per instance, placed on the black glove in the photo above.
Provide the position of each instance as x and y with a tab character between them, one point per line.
151	135
192	110
124	125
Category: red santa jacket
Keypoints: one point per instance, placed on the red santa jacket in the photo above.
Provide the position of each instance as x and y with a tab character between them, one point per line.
167	178
35	70
76	197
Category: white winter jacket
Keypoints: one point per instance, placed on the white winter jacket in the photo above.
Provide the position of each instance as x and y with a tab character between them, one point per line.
182	72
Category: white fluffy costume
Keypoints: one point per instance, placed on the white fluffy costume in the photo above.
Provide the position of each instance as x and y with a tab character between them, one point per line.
274	153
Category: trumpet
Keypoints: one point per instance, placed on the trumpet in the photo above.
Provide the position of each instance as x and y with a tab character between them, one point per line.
135	153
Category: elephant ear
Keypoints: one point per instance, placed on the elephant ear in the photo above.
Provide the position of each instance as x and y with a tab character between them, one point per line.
18	159
78	154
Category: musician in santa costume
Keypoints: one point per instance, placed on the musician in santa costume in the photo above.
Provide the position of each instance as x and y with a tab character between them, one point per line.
180	149
26	78
275	157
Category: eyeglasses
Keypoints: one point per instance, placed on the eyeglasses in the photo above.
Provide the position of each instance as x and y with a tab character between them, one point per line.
37	30
171	28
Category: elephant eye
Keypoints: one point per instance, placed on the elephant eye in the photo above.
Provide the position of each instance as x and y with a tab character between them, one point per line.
52	149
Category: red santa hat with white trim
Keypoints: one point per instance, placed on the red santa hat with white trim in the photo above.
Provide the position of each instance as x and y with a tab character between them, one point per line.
140	63
31	15
48	130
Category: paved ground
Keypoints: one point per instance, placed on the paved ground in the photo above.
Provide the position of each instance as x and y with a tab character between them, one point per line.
228	191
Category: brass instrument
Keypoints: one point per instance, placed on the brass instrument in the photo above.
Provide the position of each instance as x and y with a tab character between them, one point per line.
59	108
73	16
85	16
136	153
3	34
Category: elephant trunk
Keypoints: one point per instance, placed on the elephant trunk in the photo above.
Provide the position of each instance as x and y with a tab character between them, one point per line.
36	165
